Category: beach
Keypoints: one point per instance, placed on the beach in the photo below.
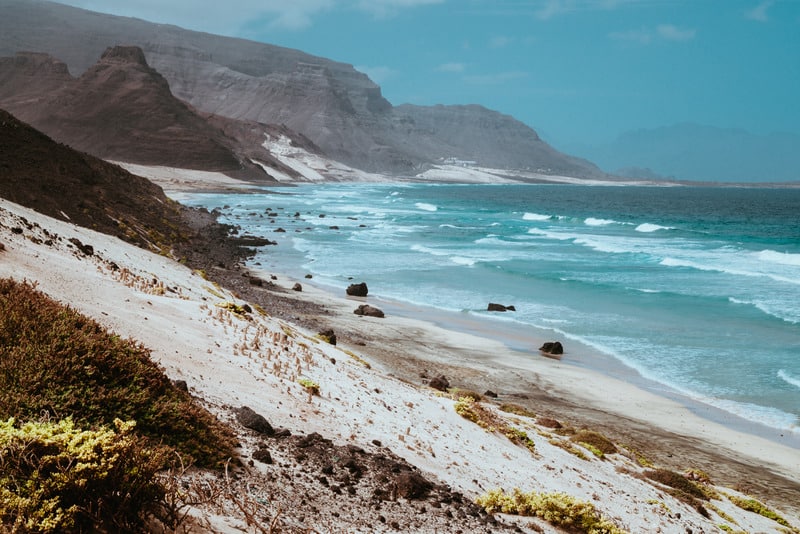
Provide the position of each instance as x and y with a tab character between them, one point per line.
374	393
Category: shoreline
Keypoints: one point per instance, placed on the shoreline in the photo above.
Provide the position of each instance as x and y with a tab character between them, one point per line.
668	432
414	344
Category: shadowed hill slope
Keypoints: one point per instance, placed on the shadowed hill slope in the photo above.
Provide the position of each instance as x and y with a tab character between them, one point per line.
54	179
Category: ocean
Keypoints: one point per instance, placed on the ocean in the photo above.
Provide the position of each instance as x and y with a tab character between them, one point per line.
694	289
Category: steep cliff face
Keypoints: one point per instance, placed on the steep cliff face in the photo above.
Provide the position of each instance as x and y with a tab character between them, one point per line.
338	108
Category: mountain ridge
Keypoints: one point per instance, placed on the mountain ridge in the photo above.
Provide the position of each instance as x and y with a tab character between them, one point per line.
338	108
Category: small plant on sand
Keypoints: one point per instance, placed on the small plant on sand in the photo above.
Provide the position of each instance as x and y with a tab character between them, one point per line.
559	509
682	488
752	505
357	358
516	409
458	393
598	444
722	514
470	409
234	308
311	386
569	447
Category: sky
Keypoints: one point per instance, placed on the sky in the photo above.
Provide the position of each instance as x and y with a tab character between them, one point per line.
580	72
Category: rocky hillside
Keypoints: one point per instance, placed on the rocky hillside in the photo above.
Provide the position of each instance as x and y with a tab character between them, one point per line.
60	182
335	106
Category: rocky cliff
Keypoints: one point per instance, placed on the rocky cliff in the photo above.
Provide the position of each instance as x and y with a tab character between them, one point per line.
338	108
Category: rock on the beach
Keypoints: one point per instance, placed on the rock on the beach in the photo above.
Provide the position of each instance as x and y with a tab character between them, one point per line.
440	382
412	486
297	287
552	347
254	421
358	290
370	311
329	336
499	307
491	394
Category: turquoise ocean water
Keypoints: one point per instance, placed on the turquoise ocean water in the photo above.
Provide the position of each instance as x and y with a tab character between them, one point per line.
696	289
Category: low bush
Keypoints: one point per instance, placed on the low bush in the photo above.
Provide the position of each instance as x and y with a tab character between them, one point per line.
558	509
595	442
57	362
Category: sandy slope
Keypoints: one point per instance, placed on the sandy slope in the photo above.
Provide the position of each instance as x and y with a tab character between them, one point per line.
229	361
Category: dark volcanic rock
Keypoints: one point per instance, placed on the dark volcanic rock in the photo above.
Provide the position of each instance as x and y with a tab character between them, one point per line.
499	307
412	486
328	336
440	382
552	347
254	421
370	311
357	290
297	287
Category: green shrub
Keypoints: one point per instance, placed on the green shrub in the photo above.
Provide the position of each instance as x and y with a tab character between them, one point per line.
516	409
56	477
558	509
676	481
311	386
58	362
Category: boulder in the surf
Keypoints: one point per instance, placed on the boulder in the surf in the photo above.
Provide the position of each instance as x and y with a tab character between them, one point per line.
357	290
552	347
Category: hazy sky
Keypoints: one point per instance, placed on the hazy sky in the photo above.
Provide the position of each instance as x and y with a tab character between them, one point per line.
578	71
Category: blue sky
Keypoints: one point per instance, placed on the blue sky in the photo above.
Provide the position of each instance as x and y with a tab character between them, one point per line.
580	72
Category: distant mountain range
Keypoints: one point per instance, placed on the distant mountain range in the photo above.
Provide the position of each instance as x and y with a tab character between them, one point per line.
700	153
211	101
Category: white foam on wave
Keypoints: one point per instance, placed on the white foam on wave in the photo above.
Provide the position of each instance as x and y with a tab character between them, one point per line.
789	379
460	260
790	315
782	258
535	217
424	206
592	221
649	228
751	271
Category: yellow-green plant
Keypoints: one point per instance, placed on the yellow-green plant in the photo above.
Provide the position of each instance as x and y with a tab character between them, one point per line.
55	361
558	509
56	477
752	505
311	386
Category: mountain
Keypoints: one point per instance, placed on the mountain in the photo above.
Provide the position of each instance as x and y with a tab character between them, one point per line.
696	152
119	109
336	107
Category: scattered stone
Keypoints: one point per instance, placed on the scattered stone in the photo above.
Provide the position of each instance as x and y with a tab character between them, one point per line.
297	287
250	419
366	309
262	455
280	230
255	281
491	394
548	423
499	307
181	384
87	250
309	276
328	336
16	230
412	486
333	227
552	347
440	382
358	290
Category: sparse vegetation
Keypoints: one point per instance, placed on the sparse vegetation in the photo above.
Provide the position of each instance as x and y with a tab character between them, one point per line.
558	509
311	386
357	358
757	507
458	393
469	408
595	442
516	409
